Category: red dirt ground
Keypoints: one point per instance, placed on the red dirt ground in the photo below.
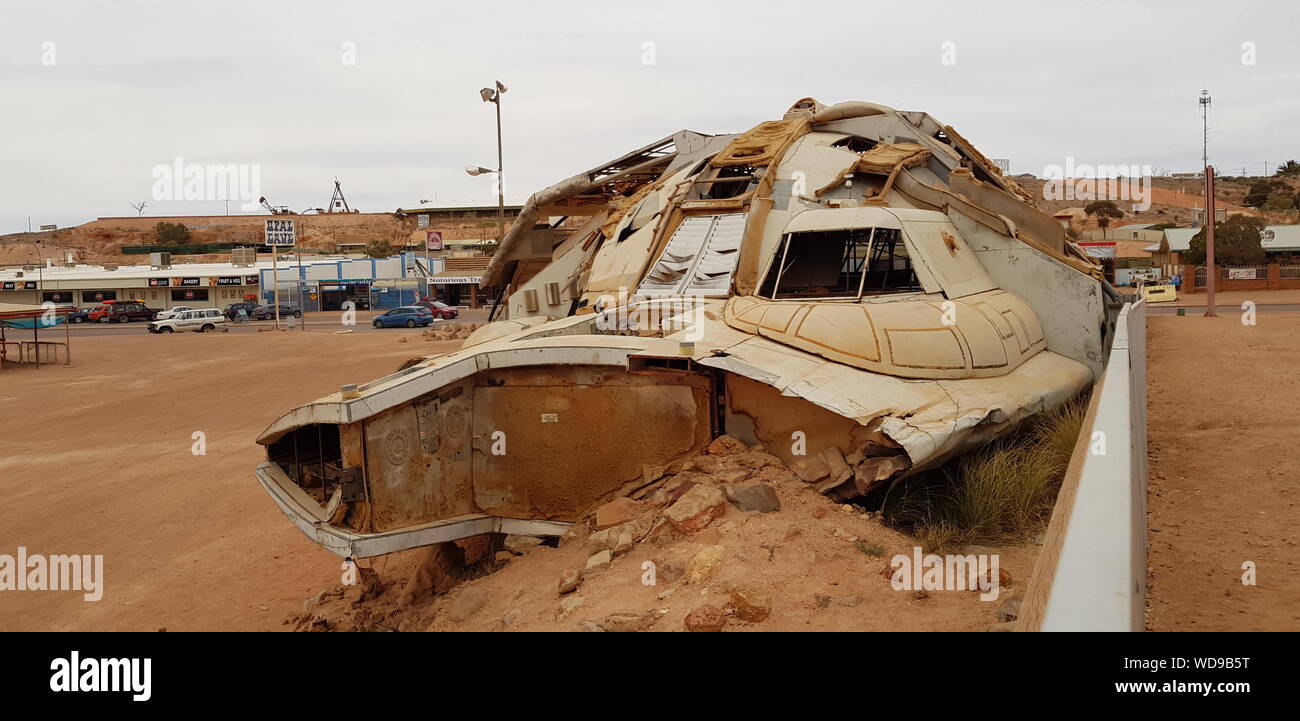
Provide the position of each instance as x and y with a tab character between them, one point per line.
1224	426
95	459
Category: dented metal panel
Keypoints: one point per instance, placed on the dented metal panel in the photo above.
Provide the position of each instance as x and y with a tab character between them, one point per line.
1008	326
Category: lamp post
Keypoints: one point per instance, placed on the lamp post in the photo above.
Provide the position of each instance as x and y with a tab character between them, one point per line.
493	95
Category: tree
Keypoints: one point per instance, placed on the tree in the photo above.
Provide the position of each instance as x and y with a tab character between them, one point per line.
1280	200
1236	242
1260	190
1104	210
1290	167
379	248
172	233
139	207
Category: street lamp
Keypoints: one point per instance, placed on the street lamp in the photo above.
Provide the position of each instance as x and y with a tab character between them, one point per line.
493	95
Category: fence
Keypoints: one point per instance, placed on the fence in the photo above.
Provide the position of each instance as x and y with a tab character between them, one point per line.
1249	277
1091	572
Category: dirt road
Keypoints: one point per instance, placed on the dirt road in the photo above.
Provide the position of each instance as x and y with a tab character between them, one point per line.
97	459
1224	425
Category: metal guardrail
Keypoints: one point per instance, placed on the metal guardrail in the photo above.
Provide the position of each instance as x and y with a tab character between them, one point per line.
1091	573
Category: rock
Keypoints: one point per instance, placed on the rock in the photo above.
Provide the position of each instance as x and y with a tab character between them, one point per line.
811	469
840	471
888	571
754	498
598	562
704	564
874	470
706	619
511	618
665	594
711	464
616	512
669	571
920	594
577	533
759	461
628	622
843	535
521	544
436	572
733	475
504	557
570	603
726	446
469	602
696	509
570	580
985	581
588	626
617	540
823	600
475	548
751	605
1010	608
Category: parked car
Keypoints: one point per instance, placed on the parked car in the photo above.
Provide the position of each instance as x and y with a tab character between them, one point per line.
1146	275
78	315
439	309
201	321
232	310
172	312
99	311
266	312
407	315
125	311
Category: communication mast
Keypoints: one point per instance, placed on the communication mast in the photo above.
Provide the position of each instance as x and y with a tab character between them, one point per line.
1205	127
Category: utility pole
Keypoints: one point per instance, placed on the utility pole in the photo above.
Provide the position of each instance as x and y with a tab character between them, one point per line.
1210	274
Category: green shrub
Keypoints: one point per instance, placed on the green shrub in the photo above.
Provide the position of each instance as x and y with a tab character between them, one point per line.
1001	493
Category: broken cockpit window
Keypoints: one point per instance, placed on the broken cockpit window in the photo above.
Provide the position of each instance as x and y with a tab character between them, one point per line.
841	264
728	182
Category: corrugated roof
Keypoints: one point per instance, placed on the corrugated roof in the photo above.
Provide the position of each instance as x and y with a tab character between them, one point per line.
1283	238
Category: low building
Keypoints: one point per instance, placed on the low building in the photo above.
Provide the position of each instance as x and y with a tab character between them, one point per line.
315	283
1277	240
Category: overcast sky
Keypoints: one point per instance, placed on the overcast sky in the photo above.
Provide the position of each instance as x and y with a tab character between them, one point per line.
95	95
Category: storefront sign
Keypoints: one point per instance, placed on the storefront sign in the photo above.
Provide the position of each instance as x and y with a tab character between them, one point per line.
159	282
280	232
230	280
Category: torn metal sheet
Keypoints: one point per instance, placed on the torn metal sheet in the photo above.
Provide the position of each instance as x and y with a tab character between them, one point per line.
854	276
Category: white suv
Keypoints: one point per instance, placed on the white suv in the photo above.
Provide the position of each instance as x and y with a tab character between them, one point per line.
201	321
172	312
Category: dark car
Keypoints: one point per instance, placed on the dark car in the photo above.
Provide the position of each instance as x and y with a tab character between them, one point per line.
232	310
78	315
439	309
408	315
125	311
267	312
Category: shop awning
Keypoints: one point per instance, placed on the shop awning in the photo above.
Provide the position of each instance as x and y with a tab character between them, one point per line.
453	278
